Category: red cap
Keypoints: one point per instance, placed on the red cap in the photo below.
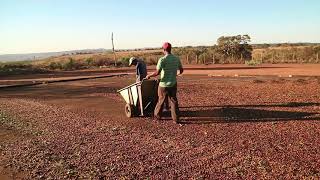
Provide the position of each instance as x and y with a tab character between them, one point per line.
166	46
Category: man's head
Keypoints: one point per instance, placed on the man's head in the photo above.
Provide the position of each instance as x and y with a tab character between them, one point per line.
133	61
166	47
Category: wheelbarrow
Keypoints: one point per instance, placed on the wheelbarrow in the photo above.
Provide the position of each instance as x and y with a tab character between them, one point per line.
140	98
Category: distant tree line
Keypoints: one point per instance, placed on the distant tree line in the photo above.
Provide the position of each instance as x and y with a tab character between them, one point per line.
292	54
229	49
236	49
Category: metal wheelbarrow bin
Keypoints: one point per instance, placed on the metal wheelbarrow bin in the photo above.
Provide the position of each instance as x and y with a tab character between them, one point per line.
140	98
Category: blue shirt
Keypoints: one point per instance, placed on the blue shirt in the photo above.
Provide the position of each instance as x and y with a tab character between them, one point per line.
141	70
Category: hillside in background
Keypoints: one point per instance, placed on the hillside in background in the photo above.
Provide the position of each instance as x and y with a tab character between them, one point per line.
37	56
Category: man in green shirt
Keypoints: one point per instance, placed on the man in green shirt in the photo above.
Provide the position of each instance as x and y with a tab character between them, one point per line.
167	66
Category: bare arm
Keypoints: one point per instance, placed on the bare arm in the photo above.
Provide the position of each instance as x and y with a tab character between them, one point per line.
181	70
154	74
180	67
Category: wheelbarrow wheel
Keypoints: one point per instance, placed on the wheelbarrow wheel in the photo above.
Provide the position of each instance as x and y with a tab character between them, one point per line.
129	111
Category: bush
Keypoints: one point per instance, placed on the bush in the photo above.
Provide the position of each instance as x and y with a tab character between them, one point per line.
72	65
16	65
253	62
102	61
89	62
69	65
10	68
152	61
55	65
125	61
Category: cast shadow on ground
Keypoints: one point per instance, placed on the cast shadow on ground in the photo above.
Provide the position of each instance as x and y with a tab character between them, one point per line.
289	104
229	114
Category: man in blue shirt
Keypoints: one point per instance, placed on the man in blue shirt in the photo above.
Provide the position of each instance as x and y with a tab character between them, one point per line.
141	68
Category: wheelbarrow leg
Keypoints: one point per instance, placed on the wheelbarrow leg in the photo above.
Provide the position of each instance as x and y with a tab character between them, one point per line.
140	101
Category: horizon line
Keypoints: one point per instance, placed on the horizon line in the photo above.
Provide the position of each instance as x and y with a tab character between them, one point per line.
144	48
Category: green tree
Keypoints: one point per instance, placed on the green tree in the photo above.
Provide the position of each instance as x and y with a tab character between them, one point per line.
235	47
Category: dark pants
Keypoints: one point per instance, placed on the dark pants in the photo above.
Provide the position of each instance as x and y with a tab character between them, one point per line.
171	94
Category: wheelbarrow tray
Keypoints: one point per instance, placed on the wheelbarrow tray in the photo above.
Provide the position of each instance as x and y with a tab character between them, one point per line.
140	97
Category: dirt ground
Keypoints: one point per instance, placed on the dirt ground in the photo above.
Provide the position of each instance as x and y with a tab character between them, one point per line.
283	70
264	127
215	70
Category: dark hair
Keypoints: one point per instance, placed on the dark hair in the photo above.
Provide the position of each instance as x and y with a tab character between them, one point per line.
167	50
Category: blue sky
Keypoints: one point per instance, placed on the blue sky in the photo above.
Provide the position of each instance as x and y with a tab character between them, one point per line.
28	26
